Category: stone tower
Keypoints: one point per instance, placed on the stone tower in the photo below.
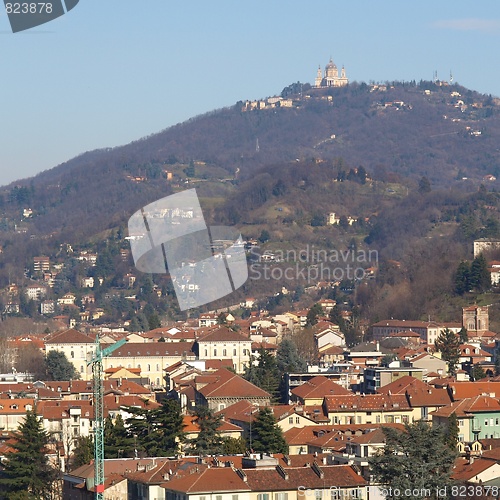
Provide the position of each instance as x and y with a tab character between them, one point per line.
475	318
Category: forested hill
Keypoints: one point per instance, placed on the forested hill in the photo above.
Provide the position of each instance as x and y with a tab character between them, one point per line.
443	132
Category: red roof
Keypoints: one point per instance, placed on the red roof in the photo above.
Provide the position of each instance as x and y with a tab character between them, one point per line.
317	387
224	383
70	336
368	402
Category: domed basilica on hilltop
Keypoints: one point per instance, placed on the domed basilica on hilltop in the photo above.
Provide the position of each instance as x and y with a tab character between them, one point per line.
330	78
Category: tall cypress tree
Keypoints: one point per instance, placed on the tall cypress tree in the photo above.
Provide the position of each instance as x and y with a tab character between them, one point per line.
448	343
27	468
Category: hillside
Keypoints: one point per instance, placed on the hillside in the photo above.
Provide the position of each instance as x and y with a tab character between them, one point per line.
337	170
443	132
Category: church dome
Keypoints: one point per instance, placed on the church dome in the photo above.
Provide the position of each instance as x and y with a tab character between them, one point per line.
331	65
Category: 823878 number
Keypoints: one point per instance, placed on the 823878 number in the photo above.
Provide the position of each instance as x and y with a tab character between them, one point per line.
28	8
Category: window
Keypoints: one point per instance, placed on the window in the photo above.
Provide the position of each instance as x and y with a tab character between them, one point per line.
263	496
318	494
297	420
72	354
148	368
203	498
218	497
206	353
139	366
485	421
234	352
281	496
290	420
81	368
496	421
358	419
157	367
75	419
377	419
235	497
224	352
215	352
460	422
461	437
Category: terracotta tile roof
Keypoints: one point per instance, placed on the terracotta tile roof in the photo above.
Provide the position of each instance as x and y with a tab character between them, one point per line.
85	387
396	402
112	402
417	392
239	411
297	436
331	349
16	406
318	387
461	390
472	353
145	349
58	410
405	334
333	475
224	383
217	364
401	385
464	471
264	345
466	407
208	481
191	426
221	333
70	336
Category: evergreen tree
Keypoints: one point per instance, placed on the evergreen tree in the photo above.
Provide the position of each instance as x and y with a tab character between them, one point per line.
424	185
313	314
461	279
158	431
479	277
478	372
233	446
83	452
267	436
418	457
263	372
451	435
59	367
448	344
117	441
288	359
464	338
208	441
27	468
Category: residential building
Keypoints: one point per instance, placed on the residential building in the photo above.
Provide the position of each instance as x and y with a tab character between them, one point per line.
478	417
369	409
220	342
77	347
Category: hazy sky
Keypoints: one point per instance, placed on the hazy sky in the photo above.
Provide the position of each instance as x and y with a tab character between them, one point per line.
112	71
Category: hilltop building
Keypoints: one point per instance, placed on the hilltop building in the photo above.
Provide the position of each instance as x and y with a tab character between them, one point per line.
330	77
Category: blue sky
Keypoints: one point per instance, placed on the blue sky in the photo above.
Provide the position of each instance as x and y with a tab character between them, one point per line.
112	71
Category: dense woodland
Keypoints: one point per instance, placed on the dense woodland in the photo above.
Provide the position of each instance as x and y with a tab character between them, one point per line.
406	164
